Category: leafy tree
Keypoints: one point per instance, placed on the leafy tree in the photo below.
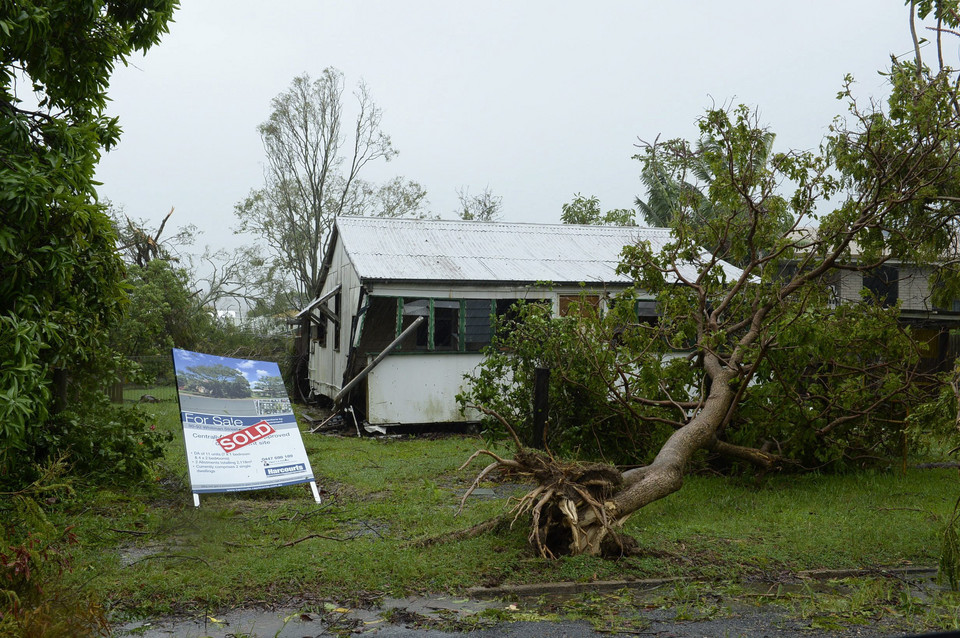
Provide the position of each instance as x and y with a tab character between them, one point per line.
485	207
669	195
314	162
586	210
218	381
771	359
270	387
61	289
162	312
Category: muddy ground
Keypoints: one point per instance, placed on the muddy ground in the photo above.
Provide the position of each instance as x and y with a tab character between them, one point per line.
650	608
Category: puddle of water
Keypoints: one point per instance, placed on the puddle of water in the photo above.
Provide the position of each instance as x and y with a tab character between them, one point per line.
296	623
739	613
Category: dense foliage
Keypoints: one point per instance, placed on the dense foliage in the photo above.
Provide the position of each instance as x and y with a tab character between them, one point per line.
583	352
162	312
61	290
34	555
617	384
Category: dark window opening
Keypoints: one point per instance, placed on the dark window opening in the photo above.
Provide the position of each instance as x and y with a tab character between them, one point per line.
647	313
413	308
379	325
883	284
508	314
446	325
318	331
336	326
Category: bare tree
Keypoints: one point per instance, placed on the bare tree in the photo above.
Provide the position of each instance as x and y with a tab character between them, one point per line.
140	245
215	275
315	156
485	207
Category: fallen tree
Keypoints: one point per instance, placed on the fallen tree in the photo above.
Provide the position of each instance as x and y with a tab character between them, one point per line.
776	371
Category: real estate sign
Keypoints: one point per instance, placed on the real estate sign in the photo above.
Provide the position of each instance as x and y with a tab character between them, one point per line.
238	425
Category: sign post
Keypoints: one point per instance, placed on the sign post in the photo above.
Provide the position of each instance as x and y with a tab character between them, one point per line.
238	425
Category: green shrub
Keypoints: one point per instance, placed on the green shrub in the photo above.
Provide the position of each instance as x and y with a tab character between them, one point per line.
35	601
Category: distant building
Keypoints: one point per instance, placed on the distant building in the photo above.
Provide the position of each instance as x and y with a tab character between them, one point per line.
231	316
908	285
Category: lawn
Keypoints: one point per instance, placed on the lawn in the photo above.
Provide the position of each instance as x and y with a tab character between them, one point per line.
147	550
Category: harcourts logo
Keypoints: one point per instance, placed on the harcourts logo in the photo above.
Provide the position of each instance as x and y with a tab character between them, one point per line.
285	469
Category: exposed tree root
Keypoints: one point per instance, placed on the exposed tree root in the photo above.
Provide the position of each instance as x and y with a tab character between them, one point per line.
580	508
568	505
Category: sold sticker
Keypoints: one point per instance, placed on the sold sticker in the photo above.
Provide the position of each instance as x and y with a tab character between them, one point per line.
246	436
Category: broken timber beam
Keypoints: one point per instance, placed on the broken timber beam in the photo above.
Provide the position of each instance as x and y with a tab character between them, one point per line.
380	357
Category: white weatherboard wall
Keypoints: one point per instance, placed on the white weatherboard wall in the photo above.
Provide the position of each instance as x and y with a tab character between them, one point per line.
327	365
914	285
418	388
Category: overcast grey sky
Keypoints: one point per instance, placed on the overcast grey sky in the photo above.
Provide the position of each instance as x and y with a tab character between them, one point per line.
537	100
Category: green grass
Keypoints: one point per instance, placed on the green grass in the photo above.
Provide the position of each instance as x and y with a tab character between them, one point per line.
804	522
146	550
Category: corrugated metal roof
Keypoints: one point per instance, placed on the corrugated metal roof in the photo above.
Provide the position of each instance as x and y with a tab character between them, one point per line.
436	250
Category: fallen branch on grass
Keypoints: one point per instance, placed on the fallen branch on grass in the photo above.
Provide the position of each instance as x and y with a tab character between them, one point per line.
309	536
129	531
180	556
462	534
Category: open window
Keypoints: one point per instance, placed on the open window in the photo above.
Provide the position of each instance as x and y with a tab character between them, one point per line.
446	325
409	310
579	304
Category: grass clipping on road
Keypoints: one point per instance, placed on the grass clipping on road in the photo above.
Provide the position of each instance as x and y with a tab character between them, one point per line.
148	551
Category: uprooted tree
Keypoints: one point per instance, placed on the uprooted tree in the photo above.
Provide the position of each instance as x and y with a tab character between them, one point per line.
776	371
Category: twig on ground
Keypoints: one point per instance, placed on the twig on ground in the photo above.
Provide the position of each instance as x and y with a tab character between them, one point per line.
180	556
309	536
462	534
129	531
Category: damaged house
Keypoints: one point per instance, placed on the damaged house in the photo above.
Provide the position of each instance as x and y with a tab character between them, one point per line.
407	306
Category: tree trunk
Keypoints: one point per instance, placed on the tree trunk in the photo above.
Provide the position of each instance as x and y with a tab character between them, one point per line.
579	509
644	485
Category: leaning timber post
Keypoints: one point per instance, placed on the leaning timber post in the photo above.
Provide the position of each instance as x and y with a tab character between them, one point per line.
380	357
541	405
301	358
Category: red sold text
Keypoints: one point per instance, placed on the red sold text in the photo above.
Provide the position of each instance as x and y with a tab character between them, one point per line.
246	436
